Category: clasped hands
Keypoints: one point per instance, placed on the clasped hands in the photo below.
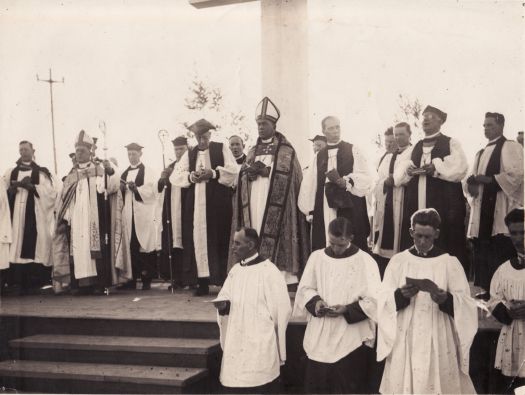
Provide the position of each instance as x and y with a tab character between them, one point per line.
24	183
517	309
130	185
410	290
429	169
257	169
201	175
473	183
333	176
322	309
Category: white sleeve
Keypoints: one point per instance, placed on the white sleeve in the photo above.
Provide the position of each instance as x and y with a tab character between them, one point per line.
229	172
453	167
181	172
510	178
276	294
306	199
361	176
148	191
368	300
307	287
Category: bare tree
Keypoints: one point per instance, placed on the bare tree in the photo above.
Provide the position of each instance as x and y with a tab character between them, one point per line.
410	112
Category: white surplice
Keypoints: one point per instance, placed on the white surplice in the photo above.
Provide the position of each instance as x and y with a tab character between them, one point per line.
510	180
426	350
253	335
338	281
78	216
176	215
379	203
508	284
142	213
452	168
360	176
5	227
44	205
180	178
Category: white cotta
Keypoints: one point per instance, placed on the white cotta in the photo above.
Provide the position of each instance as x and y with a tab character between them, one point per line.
338	281
380	199
506	285
510	180
5	227
44	204
253	335
259	193
142	213
180	178
361	178
426	350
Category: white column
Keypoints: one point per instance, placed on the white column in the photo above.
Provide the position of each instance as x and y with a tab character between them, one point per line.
284	45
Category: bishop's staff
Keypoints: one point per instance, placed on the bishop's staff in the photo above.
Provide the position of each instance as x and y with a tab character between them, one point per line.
164	138
107	224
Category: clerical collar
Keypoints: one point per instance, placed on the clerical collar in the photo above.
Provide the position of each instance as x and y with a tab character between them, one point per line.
26	163
432	253
202	149
267	141
494	141
251	260
333	145
83	165
133	167
351	250
402	149
239	157
431	138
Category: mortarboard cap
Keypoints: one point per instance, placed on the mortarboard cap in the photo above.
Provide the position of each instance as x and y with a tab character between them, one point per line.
200	127
318	137
84	140
267	110
180	140
437	111
134	147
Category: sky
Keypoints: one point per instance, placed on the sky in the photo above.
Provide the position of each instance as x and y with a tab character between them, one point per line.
131	63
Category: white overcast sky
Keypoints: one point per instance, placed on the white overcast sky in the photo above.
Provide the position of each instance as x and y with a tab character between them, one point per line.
130	63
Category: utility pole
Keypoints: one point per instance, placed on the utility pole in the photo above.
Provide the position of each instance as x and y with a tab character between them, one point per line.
50	81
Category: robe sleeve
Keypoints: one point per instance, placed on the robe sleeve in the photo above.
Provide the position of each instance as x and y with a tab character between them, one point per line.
378	192
368	300
386	307
471	172
453	167
400	172
148	191
359	182
308	189
278	300
113	182
497	303
228	173
181	172
47	190
510	178
465	310
307	288
225	294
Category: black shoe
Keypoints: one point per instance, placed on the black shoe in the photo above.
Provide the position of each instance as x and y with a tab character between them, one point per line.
146	285
483	296
203	288
127	286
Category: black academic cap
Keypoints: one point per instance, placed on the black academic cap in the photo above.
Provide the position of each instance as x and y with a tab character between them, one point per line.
437	111
180	140
134	147
318	137
200	127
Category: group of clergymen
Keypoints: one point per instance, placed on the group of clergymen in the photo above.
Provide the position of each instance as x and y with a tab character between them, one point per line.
256	224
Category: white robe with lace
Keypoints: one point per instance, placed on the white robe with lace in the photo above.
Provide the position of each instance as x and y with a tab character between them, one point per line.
426	350
253	335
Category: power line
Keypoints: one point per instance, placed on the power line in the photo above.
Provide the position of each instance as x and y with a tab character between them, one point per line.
51	81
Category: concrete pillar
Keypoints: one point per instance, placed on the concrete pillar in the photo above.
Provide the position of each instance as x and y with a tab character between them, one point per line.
284	46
